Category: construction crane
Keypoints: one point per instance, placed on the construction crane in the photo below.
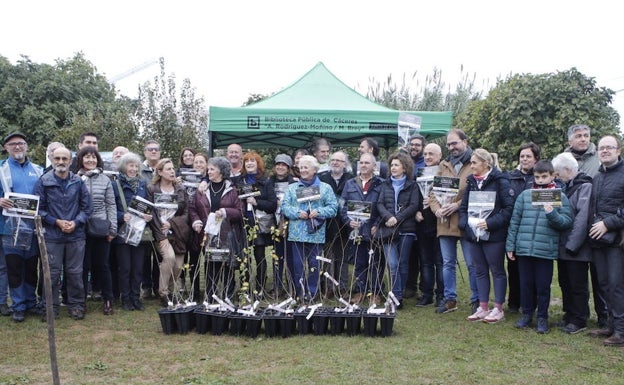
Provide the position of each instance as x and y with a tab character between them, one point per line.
133	70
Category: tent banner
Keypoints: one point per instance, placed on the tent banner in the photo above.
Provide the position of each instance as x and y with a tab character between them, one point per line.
224	119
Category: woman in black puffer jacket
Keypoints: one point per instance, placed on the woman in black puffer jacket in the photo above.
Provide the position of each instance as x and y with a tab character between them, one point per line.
486	234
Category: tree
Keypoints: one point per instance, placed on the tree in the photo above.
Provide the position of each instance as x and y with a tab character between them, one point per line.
174	122
59	102
538	108
429	97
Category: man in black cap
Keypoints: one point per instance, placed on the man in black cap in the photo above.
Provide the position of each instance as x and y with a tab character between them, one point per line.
19	253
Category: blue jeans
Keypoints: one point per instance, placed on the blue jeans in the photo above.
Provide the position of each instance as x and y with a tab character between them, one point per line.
397	256
448	248
4	278
489	257
304	252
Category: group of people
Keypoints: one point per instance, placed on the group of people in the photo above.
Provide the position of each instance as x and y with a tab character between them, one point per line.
321	214
568	209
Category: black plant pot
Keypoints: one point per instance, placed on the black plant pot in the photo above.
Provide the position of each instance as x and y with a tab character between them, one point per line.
336	323
271	323
203	321
167	321
253	326
185	319
287	325
304	325
386	322
220	322
370	324
353	322
320	320
238	324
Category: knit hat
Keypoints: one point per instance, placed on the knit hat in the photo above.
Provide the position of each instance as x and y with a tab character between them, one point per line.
283	158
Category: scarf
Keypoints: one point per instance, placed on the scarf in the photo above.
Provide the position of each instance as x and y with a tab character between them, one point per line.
85	175
397	185
309	183
549	185
251	178
132	181
459	161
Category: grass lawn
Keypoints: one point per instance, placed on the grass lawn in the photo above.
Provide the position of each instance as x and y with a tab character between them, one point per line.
426	348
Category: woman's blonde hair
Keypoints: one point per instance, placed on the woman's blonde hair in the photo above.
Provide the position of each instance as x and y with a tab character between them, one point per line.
159	167
485	156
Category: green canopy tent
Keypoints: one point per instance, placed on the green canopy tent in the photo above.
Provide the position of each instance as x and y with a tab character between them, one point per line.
316	105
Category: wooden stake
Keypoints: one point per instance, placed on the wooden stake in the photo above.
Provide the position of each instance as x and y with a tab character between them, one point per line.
47	283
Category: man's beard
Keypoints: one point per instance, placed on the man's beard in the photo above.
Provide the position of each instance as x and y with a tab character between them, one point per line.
19	156
60	168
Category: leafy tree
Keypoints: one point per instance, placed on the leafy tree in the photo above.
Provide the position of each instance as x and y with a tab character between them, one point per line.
59	102
175	121
538	108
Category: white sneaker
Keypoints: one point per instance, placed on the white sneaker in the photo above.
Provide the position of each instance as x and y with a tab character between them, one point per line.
494	316
479	314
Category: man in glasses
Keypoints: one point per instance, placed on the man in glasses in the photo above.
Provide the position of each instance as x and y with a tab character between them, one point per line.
64	206
587	156
457	165
18	263
605	236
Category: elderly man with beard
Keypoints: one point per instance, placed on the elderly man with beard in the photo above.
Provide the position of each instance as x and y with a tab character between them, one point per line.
64	206
18	175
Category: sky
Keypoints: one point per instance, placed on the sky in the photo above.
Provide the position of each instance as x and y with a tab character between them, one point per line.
231	49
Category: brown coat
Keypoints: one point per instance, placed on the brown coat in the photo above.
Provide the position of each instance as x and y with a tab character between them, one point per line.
450	226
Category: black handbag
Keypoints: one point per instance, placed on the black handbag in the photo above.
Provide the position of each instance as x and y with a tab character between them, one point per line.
98	227
383	232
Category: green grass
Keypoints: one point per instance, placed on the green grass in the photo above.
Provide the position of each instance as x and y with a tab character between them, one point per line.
426	348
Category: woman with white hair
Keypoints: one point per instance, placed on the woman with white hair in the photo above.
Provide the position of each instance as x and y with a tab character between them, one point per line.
486	234
575	254
308	204
220	207
128	185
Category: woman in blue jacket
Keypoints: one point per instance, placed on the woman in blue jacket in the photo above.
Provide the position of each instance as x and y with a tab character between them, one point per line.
306	228
486	234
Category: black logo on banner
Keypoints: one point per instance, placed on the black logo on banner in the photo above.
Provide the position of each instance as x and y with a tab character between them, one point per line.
253	122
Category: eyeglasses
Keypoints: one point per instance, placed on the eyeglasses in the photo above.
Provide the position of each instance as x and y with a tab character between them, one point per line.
15	144
152	149
63	158
416	144
607	148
